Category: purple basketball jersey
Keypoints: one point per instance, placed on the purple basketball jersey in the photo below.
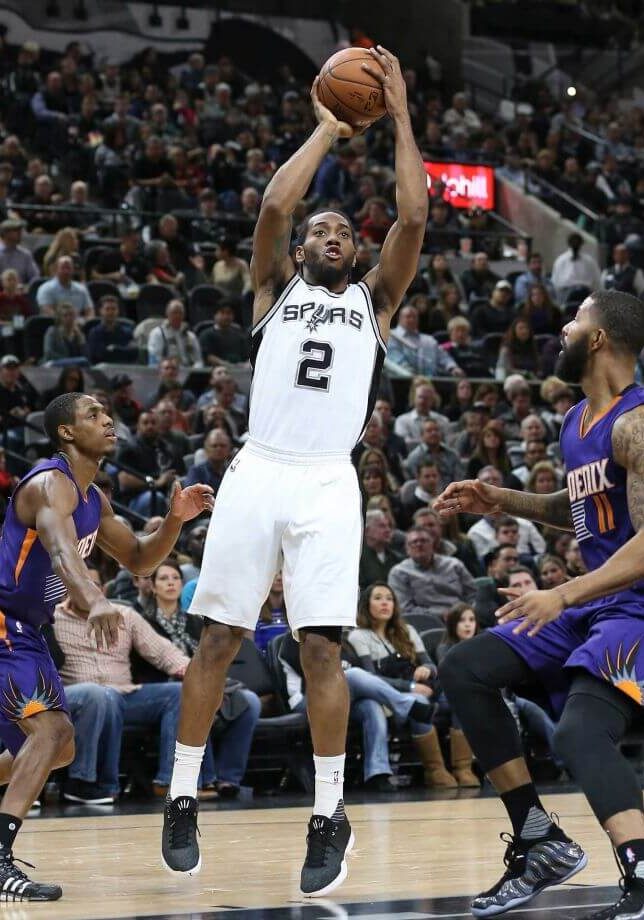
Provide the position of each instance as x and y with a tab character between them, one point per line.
29	589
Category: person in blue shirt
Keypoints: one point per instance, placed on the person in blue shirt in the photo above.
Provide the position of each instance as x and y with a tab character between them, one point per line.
109	338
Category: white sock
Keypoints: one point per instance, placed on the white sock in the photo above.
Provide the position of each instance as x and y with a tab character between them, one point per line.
185	774
329	783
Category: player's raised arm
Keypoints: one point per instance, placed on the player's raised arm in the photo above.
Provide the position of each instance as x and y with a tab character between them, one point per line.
475	497
271	262
141	555
49	501
400	252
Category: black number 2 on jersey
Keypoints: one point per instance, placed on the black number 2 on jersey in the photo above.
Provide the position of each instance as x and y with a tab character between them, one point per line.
316	358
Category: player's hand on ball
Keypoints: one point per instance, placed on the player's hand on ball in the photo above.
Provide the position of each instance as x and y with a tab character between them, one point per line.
325	115
386	69
535	609
187	503
104	622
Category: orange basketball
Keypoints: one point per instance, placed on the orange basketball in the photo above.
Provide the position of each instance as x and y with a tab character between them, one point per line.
350	92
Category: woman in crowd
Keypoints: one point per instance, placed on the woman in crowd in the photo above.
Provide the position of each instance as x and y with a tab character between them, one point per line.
447	306
438	275
552	571
65	243
461	400
488	394
64	341
230	273
392	649
490	451
518	353
70	380
543	478
232	733
541	312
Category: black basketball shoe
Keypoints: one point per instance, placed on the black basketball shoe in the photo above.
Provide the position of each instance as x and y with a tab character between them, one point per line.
531	867
179	846
325	866
629	907
16	886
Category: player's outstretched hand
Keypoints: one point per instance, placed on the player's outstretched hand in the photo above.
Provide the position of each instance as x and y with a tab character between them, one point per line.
323	114
386	69
187	503
535	609
468	497
104	622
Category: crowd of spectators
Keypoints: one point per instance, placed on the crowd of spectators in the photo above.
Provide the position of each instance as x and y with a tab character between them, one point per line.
183	155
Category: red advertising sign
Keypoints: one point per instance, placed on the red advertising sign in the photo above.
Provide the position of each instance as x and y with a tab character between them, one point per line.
467	185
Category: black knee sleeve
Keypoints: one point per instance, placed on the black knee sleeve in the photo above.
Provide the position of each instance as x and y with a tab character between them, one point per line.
595	719
472	675
332	633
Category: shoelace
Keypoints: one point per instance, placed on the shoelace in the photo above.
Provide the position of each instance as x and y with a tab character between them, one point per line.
318	841
182	828
512	851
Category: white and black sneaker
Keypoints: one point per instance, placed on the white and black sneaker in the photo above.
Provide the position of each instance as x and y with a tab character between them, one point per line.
531	867
16	886
179	845
629	907
325	866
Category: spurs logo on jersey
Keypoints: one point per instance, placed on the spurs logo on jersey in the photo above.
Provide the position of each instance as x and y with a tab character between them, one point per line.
316	358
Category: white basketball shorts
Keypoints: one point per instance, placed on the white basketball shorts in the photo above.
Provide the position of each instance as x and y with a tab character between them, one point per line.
295	512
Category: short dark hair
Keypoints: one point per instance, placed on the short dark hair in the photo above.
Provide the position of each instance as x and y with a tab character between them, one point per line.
621	315
505	521
303	228
425	464
60	411
494	553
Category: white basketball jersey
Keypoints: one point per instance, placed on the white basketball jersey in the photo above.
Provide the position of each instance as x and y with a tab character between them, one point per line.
316	359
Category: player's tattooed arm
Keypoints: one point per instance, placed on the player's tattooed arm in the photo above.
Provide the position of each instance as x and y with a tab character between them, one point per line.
628	450
552	510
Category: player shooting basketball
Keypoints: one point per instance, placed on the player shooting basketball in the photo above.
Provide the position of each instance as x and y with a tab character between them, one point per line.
291	497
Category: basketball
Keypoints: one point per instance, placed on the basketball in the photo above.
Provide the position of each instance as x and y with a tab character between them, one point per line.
350	92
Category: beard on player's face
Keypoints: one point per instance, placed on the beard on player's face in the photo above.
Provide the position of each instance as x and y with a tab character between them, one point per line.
324	272
572	362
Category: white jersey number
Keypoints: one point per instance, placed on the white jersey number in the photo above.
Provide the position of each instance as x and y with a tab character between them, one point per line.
316	358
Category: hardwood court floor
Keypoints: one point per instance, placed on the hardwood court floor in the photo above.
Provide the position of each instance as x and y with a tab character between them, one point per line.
109	865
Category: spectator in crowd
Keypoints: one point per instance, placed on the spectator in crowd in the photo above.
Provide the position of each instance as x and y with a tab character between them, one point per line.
560	399
13	302
460	116
498	563
226	393
574	268
460	347
416	352
225	341
388	647
152	459
484	535
226	757
12	254
161	269
418	493
540	311
170	429
507	529
174	339
448	539
518	353
63	289
544	478
374	438
45	196
443	231
393	445
533	275
230	273
16	400
124	403
534	454
462	401
432	447
378	557
496	314
218	449
552	571
110	339
519	396
490	451
466	441
425	399
479	281
65	243
574	561
426	583
125	265
70	380
100	680
622	275
170	375
64	342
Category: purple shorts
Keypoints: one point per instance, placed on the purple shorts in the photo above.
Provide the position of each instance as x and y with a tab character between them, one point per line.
607	641
29	681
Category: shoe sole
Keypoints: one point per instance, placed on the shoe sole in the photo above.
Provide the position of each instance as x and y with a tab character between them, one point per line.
194	871
340	877
494	910
76	798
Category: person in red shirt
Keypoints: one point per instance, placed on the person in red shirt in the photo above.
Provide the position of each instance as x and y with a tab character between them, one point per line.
375	226
12	299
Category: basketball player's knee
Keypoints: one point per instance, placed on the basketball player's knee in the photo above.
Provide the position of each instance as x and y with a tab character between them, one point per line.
320	651
453	671
570	741
67	753
219	644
